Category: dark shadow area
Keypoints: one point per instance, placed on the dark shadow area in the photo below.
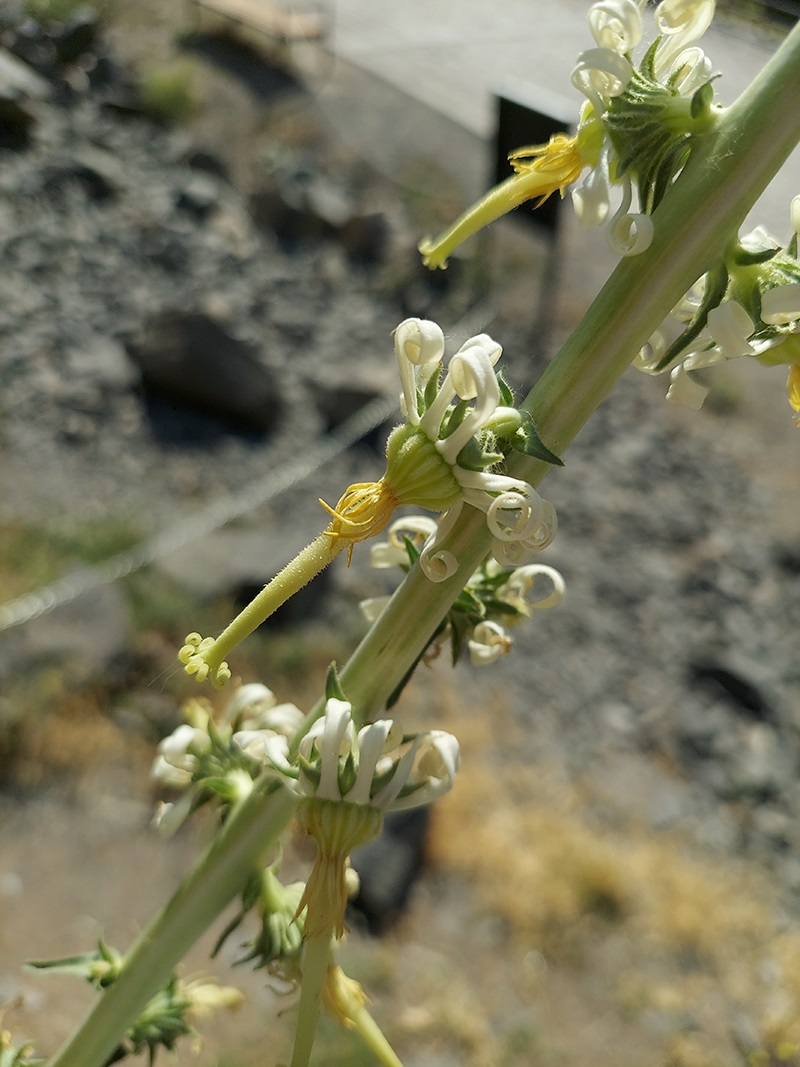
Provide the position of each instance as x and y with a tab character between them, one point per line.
267	79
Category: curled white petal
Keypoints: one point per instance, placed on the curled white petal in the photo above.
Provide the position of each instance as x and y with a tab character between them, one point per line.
251	697
417	528
419	341
370	747
524	581
794	213
514	516
253	743
730	326
438	566
171	775
175	749
616	24
681	23
372	607
333	739
691	69
685	391
424	773
709	356
488	643
474	379
384	555
592	198
601	73
629	234
781	306
648	358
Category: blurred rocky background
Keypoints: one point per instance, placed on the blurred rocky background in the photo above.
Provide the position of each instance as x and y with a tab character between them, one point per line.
200	273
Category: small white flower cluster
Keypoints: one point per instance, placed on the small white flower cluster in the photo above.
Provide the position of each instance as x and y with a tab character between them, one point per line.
253	716
488	639
376	767
604	73
730	332
520	520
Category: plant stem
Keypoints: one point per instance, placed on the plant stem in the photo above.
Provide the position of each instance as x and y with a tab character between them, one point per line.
316	956
241	847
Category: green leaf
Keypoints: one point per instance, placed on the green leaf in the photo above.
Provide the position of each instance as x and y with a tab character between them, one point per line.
506	394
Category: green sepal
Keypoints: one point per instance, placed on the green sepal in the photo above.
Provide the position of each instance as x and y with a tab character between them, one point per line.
453	419
745	257
528	441
506	393
701	100
473	458
431	388
333	688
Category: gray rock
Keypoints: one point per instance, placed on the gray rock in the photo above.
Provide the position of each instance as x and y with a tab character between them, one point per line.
190	359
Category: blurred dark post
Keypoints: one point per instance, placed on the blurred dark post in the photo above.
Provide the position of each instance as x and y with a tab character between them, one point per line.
527	115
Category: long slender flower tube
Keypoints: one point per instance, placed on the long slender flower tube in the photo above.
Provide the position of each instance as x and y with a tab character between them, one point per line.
637	129
459	425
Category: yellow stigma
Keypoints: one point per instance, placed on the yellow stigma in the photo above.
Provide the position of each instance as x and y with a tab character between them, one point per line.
363	510
540	171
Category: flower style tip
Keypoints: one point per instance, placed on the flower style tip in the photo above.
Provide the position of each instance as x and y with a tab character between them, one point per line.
540	171
199	659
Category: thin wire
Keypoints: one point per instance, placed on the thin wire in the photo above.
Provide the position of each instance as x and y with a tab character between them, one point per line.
33	605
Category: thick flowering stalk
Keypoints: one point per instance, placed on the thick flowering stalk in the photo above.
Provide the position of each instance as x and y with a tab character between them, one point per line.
449	451
638	128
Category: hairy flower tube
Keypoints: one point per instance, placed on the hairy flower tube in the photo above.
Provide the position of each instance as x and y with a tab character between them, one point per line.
636	130
460	424
748	304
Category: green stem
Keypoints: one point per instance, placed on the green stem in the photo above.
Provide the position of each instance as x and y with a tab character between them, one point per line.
240	848
316	956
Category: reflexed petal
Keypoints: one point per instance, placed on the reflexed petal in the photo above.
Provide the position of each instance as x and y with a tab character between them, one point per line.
685	390
489	642
781	306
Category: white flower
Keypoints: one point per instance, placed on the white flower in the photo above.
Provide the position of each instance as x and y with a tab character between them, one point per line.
488	643
391	771
515	513
177	758
794	213
372	607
